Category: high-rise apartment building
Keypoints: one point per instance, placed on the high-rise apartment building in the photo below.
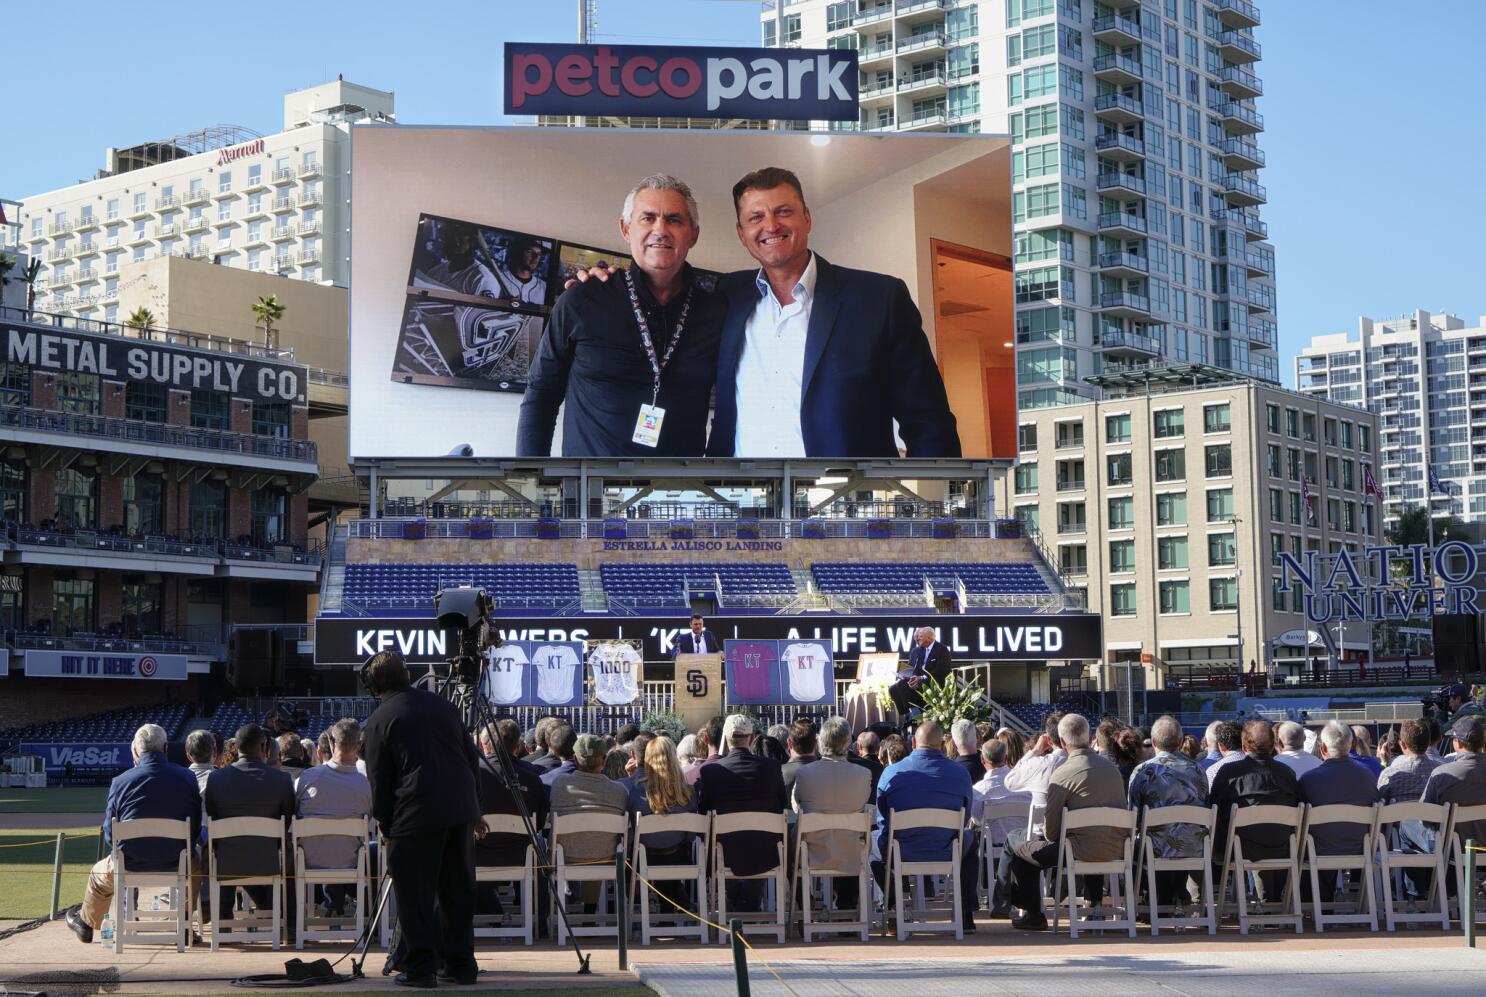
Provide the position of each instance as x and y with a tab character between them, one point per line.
271	204
1425	377
1136	198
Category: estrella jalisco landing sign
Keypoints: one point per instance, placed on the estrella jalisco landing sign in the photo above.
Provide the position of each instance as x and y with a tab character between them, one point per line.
681	82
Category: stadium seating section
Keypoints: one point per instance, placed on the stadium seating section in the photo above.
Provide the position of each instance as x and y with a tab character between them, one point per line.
998	578
413	586
665	585
115	726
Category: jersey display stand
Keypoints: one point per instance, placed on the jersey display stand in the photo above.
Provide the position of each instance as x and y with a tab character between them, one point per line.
779	672
534	673
616	671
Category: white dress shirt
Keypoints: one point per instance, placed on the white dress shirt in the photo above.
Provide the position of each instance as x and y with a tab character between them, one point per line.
1033	774
992	789
771	371
1212	771
1300	762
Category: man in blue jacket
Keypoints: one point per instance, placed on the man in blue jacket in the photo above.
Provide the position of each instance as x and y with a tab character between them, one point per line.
928	780
153	788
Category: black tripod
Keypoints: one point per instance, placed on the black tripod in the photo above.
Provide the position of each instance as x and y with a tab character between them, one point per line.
461	687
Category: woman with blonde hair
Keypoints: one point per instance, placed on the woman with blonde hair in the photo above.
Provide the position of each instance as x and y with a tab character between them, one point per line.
665	792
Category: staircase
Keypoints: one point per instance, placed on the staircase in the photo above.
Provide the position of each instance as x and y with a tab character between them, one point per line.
591	589
333	584
804	580
1002	717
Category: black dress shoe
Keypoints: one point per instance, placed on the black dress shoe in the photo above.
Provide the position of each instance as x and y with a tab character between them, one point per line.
81	930
1030	921
420	982
460	979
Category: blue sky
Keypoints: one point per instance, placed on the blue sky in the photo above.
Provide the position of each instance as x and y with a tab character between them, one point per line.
1375	132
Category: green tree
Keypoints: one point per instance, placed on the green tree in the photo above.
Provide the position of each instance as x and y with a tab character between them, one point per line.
1413	528
142	319
269	310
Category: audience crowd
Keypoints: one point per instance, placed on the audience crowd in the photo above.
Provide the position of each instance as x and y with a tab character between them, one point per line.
729	765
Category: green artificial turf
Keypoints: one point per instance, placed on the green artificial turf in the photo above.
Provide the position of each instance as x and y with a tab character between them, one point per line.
56	800
26	869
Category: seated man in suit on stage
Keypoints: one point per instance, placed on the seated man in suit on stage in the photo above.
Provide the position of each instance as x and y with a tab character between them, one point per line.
928	659
699	640
742	782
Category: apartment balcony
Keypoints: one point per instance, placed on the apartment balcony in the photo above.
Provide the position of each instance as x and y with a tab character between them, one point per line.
876	15
222	223
924	122
282	205
1116	30
1239	83
1244	192
309	171
929	43
929	85
255	184
1256	228
1122	223
1260	299
911	12
225	194
87	223
1259	264
309	257
283	262
167	231
138	237
1120	148
1118	108
167	202
196	253
870	93
1240	155
257	212
86	249
1117	69
59	228
195	196
60	279
1235	47
1264	334
196	225
1121	184
109	295
257	240
1236	13
36	236
1130	344
1124	265
873	55
1125	304
309	228
1240	120
309	199
282	177
137	212
282	233
59	254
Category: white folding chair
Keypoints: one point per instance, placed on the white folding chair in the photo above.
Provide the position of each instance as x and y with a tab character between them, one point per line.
599	871
1119	872
668	921
248	927
151	926
524	877
992	842
308	926
1240	868
384	886
1361	862
1393	858
860	824
1461	815
899	870
1199	866
774	923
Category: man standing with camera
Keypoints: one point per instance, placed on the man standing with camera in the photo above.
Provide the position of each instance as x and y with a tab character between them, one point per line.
422	766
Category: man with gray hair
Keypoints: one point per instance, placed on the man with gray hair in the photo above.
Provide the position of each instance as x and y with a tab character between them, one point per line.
833	785
1338	779
1085	780
201	749
153	789
631	361
334	790
1170	779
587	790
928	658
1292	740
967	741
864	754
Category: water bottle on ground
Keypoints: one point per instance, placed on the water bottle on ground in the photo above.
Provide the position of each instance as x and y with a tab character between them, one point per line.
106	929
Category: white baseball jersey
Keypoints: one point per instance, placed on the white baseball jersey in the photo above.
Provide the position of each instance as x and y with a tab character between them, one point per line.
555	665
504	674
808	666
616	674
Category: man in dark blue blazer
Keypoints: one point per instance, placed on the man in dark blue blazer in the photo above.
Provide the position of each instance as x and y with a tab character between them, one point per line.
817	360
698	640
742	782
928	659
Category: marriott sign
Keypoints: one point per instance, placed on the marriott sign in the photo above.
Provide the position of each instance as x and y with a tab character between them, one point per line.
253	148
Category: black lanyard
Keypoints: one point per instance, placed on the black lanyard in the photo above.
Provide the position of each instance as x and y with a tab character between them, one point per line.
657	364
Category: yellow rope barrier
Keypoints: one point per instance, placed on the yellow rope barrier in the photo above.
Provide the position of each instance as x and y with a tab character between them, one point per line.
46	841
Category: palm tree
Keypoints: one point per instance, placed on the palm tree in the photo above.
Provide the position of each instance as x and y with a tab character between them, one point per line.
142	319
7	264
269	310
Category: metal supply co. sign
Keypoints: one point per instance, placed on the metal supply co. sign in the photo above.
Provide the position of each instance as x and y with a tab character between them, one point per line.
681	82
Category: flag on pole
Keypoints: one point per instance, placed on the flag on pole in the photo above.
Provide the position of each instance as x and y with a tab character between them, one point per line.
1305	495
2	214
1370	484
1438	486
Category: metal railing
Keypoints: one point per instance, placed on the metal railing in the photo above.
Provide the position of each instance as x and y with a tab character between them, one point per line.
205	642
306	552
133	431
175	337
640	529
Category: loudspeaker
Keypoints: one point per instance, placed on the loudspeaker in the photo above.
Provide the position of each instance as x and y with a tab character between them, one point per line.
250	659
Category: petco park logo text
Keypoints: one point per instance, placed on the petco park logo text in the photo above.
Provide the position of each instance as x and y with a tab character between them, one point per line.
795	84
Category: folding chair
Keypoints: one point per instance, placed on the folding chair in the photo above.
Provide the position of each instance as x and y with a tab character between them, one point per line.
1201	866
993	842
694	872
586	871
149	926
384	886
859	823
898	870
777	923
1393	858
308	926
524	876
1119	872
1460	816
225	927
1360	862
1240	868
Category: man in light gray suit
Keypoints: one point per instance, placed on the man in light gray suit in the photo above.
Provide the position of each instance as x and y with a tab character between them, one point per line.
833	785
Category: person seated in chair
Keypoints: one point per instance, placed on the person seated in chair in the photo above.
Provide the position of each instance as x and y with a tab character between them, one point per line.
928	659
249	787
